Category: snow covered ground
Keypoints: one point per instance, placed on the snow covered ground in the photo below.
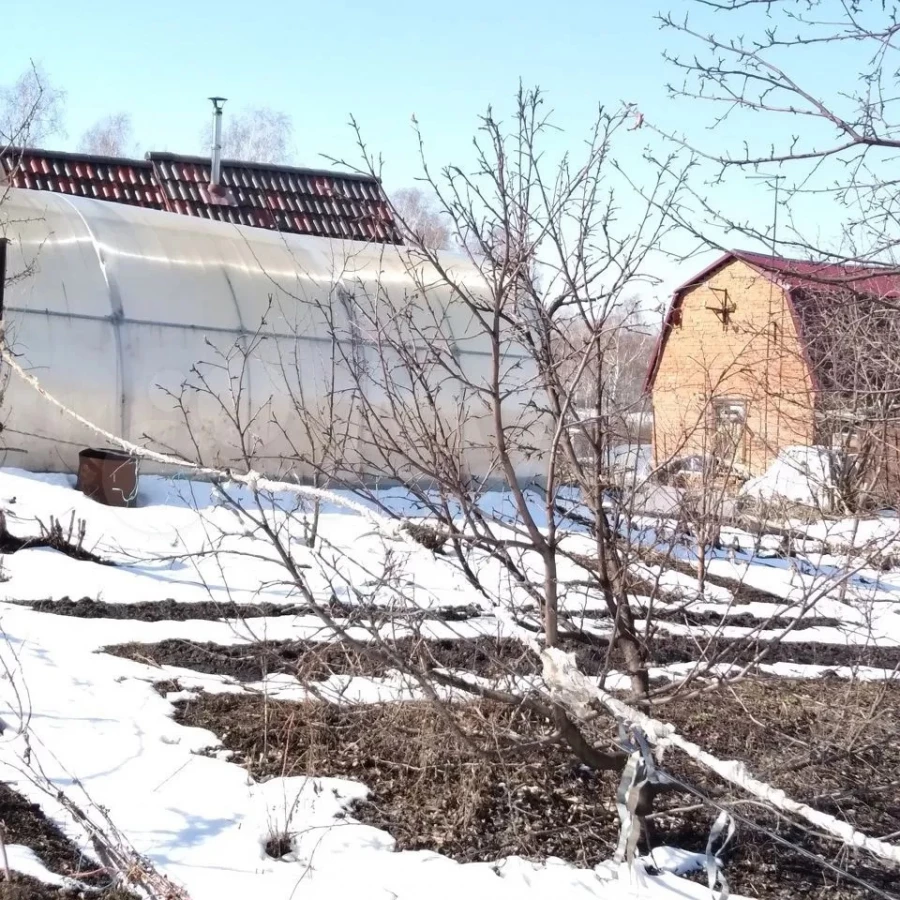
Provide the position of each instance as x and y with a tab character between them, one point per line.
99	731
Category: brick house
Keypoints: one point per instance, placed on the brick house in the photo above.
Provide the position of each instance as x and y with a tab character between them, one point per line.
758	353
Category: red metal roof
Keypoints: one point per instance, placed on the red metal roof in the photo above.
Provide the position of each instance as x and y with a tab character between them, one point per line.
880	281
792	274
280	198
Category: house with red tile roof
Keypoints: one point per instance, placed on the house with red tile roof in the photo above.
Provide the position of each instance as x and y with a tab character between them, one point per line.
758	353
336	205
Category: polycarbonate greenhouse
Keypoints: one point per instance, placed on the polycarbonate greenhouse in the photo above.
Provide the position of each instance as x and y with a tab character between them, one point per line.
114	308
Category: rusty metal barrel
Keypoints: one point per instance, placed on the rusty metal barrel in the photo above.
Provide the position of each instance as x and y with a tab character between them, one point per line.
108	476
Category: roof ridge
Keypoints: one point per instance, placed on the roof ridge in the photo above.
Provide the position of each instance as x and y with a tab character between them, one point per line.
164	156
868	266
152	156
74	156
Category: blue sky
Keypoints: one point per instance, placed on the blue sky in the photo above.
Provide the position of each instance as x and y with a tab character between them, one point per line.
382	62
320	62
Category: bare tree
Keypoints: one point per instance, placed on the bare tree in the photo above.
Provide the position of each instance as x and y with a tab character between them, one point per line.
420	218
411	406
753	65
110	136
31	109
464	380
821	147
256	134
453	426
851	338
530	232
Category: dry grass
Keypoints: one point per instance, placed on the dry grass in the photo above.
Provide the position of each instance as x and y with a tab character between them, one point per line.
479	800
26	824
471	799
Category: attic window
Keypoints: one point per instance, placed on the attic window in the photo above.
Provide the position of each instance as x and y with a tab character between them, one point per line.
676	317
723	308
730	411
729	429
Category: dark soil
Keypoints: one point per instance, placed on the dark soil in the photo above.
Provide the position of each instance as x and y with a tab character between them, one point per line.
164	610
175	611
830	744
741	620
26	824
279	845
319	660
480	800
687	616
55	539
650	587
640	588
483	656
743	593
430	790
667	649
167	686
23	887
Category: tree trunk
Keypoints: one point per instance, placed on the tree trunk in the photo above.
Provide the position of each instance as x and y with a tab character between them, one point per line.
551	600
701	566
635	664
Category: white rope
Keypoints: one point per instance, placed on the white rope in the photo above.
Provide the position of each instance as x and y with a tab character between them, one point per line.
393	529
579	696
560	671
250	479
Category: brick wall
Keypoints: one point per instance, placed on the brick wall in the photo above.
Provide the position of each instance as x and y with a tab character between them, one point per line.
755	357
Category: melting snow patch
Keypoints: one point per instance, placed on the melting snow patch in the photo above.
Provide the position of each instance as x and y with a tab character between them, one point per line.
24	860
676	860
103	734
802	475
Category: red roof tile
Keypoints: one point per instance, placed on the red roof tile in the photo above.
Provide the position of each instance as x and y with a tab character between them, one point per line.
83	176
280	198
283	198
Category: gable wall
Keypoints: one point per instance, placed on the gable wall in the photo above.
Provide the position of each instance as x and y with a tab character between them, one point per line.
756	358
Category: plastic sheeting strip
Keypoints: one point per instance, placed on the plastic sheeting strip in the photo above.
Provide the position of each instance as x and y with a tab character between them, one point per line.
724	824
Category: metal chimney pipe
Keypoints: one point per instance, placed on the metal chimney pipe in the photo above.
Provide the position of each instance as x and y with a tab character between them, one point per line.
216	174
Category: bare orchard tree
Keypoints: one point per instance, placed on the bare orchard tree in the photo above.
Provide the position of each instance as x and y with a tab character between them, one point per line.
110	136
459	384
256	134
420	219
462	379
826	149
31	110
455	385
534	232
